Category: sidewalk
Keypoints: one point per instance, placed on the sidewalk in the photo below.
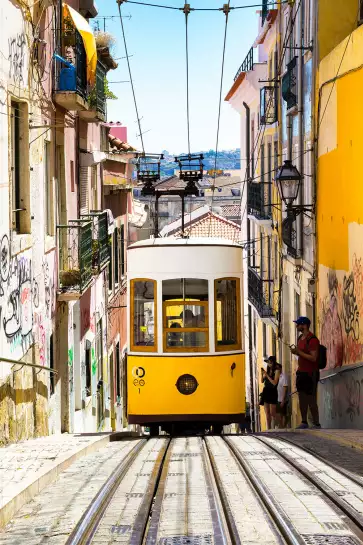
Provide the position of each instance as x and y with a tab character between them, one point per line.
27	467
348	438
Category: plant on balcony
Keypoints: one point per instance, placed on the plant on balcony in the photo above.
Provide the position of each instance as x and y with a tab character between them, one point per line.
95	254
70	278
92	95
105	39
69	35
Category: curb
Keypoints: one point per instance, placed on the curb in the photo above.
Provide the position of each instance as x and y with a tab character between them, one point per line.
27	490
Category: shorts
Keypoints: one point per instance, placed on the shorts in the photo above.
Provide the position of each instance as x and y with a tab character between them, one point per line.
270	396
281	410
307	383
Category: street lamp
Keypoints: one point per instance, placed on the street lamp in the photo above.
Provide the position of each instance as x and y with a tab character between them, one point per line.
288	180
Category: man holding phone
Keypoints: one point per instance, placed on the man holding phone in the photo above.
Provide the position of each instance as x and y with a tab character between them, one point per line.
307	374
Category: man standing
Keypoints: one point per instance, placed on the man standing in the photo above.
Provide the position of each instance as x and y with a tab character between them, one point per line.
307	375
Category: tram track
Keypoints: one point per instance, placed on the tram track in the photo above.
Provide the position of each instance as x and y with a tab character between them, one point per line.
227	490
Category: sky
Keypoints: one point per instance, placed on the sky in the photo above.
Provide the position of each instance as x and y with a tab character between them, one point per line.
156	46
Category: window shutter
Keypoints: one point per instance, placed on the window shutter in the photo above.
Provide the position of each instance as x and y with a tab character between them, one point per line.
83	180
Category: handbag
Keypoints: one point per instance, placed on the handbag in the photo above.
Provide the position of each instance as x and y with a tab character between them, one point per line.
262	402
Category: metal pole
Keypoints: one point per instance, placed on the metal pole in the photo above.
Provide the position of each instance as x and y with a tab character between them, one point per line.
183	211
156	225
15	362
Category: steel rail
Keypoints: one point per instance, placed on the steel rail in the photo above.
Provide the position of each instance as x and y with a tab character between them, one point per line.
86	527
140	524
227	510
351	513
342	470
221	533
283	523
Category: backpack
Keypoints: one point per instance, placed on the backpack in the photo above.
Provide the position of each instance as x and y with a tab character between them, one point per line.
322	360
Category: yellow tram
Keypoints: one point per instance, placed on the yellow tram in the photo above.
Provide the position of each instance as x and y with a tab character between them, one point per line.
186	363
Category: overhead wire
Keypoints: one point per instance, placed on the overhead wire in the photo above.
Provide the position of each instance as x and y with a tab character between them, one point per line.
130	75
273	3
226	12
187	74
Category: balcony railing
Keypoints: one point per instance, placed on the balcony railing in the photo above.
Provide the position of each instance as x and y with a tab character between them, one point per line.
259	293
100	240
75	257
289	84
97	96
268	105
247	64
256	201
72	75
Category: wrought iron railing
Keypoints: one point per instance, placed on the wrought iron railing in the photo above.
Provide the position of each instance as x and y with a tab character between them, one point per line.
289	84
97	96
259	291
247	64
75	255
100	239
268	105
256	201
264	10
72	75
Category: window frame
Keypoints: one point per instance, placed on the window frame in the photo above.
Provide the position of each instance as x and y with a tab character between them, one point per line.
135	348
238	345
166	330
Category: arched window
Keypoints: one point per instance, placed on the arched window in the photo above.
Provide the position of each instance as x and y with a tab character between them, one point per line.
143	322
227	314
185	313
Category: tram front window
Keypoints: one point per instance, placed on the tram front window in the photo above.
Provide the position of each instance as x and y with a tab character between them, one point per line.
143	314
227	317
185	306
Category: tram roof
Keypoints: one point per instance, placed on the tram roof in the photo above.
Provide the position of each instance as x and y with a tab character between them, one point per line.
192	241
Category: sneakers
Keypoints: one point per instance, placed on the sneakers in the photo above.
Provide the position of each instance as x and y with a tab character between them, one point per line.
303	426
316	427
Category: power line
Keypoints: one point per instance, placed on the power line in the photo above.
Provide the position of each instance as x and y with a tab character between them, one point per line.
226	11
187	68
130	75
202	9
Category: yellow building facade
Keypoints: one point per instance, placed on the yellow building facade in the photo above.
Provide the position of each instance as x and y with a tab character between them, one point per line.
339	113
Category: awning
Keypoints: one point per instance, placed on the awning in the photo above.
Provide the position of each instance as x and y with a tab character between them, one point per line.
88	40
91	158
138	215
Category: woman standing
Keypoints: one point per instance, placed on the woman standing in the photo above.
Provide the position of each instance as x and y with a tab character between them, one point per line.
270	378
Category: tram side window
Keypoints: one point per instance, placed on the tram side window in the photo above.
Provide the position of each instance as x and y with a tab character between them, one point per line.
143	315
185	306
227	314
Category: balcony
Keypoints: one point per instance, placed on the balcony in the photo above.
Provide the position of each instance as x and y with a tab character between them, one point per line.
75	259
100	240
96	98
268	105
264	11
289	85
71	72
259	293
247	64
256	201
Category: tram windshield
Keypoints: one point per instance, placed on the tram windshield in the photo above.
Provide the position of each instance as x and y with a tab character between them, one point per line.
143	314
185	307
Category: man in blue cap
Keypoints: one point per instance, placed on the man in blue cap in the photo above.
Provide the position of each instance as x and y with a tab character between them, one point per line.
307	374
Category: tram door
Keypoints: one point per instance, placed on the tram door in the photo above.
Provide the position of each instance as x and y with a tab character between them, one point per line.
100	390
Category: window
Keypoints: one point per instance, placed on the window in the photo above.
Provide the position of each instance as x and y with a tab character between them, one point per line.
88	368
143	315
276	261
99	349
20	168
72	176
185	307
123	264
262	163
118	373
269	272
227	314
261	256
274	341
94	188
264	340
116	261
48	185
269	177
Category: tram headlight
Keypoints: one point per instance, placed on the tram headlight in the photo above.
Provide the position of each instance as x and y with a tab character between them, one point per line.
187	384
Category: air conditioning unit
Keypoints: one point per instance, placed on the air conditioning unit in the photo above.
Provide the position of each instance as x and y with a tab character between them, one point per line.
312	285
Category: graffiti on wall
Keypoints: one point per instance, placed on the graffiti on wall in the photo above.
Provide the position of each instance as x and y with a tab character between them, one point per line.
16	57
340	312
341	400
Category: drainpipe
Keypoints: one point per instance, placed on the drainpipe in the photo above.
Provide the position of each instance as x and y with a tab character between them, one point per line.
301	118
248	142
77	167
